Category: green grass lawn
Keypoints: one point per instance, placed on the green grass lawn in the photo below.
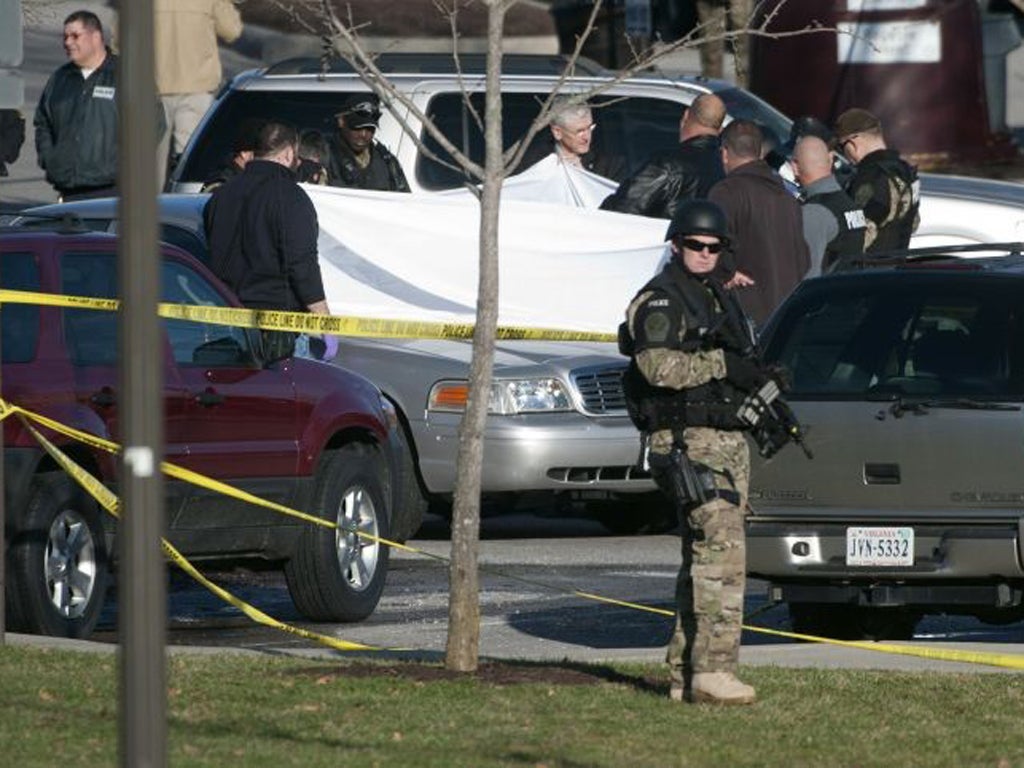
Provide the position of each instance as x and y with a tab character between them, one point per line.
60	709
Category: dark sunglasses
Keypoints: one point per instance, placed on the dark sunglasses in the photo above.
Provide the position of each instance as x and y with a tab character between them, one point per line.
698	246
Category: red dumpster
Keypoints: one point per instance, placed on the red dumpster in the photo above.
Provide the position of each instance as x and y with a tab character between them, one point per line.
917	64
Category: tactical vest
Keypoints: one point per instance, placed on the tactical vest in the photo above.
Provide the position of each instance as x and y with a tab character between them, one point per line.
895	233
852	227
714	404
383	173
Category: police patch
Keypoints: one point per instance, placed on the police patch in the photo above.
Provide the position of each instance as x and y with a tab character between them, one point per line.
657	326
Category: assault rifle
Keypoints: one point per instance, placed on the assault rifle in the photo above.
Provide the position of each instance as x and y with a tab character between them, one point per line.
772	422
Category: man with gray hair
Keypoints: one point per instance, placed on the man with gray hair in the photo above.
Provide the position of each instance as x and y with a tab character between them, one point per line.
686	172
572	133
834	225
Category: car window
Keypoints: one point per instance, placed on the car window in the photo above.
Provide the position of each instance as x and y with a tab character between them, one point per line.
910	340
20	322
90	334
633	128
186	240
46	221
743	105
196	343
304	110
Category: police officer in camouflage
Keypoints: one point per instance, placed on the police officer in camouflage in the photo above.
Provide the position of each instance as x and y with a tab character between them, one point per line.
692	367
883	183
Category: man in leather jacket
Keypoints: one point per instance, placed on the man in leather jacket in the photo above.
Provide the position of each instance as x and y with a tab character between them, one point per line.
883	184
693	364
684	173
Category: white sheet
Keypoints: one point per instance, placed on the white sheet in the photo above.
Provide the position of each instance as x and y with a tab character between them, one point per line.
415	257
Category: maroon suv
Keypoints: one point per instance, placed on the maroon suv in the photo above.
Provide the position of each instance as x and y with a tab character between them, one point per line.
298	432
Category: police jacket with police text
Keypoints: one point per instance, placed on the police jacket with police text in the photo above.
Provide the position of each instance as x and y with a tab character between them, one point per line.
834	225
685	173
76	127
680	326
888	190
262	231
383	172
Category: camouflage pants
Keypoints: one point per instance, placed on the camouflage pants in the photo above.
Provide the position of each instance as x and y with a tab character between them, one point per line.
709	588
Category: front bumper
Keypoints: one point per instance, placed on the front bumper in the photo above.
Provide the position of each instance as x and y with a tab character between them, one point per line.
549	451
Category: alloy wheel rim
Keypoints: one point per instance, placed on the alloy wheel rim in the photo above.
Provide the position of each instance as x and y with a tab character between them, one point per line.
357	554
70	564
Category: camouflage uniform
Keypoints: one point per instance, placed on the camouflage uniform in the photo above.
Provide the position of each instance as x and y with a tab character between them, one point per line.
709	588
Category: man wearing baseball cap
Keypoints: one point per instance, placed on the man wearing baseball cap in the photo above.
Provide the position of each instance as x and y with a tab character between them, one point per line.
883	184
356	159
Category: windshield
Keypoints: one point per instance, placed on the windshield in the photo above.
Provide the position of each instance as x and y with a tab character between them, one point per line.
932	339
744	105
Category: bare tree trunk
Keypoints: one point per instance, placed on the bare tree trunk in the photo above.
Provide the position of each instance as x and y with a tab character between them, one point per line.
463	648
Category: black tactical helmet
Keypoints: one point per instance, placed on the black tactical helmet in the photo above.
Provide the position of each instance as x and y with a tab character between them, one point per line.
698	217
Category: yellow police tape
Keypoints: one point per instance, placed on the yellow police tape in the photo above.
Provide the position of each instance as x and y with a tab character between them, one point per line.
304	322
109	501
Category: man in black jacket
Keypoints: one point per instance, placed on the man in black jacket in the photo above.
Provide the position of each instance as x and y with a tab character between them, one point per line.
356	159
883	184
685	173
76	120
262	230
768	247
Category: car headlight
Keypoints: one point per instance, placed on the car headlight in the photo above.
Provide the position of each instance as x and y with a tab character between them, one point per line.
508	396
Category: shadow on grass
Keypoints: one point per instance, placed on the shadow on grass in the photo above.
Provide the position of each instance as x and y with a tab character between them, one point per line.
489	672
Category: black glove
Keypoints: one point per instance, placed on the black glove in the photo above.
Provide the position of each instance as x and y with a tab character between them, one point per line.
781	376
744	372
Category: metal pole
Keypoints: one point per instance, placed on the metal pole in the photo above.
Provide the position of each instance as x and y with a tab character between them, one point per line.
11	51
142	579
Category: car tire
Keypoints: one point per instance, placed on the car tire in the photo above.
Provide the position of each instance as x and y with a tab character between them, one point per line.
336	575
59	569
885	623
412	498
846	622
630	514
823	620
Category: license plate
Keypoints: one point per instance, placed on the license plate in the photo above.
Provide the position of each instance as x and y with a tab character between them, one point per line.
879	546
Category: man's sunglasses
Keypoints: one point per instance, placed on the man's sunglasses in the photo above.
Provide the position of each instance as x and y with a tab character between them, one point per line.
697	246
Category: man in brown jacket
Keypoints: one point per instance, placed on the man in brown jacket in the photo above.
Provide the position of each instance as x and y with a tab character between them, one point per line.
768	248
188	68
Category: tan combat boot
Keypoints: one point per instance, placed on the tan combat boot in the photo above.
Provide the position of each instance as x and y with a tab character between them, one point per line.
720	688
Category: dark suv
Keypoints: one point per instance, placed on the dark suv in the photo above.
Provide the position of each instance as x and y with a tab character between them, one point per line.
909	377
298	432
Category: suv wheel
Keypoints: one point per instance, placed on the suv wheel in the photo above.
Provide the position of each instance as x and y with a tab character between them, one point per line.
337	575
58	561
845	622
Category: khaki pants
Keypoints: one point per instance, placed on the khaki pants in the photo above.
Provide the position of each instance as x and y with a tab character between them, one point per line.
183	112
